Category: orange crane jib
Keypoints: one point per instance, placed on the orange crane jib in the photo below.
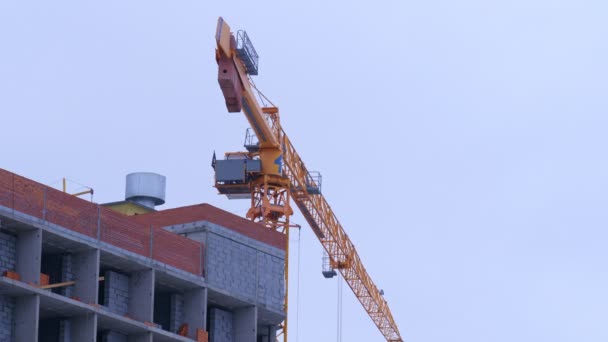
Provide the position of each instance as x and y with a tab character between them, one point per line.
271	174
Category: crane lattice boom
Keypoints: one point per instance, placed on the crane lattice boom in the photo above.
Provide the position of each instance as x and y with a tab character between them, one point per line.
336	242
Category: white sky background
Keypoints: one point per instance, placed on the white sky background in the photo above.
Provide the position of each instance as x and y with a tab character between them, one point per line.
462	143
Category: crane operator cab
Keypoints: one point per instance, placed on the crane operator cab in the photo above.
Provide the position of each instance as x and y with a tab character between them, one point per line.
237	170
234	173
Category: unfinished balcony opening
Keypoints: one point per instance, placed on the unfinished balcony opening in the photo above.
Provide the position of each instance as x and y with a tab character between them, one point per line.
179	307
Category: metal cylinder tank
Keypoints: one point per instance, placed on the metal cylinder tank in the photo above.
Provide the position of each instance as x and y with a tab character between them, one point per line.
146	188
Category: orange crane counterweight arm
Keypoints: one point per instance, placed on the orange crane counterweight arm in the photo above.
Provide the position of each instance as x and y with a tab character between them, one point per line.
234	82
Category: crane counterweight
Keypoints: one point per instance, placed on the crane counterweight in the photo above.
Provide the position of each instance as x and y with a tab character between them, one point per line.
228	79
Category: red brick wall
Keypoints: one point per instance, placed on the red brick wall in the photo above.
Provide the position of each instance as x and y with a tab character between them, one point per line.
177	251
119	230
71	212
28	196
206	212
6	188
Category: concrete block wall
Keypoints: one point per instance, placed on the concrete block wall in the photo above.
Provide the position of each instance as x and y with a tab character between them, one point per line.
271	280
112	336
67	273
8	252
65	330
221	326
177	312
238	264
7	314
232	266
267	333
243	268
116	292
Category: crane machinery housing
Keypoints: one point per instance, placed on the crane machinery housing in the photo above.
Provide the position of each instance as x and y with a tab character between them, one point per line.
271	174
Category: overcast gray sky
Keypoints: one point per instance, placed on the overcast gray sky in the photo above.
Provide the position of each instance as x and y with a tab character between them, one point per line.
462	143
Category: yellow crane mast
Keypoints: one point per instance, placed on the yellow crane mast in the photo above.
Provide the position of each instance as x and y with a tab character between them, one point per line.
271	174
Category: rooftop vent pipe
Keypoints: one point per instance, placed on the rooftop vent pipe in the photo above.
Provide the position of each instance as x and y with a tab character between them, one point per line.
146	188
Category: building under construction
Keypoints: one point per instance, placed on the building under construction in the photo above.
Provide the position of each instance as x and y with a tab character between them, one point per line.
73	270
78	271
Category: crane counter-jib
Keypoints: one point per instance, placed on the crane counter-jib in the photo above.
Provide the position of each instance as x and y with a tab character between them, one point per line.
234	82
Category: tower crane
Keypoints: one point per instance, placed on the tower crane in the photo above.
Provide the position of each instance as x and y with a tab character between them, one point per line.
272	174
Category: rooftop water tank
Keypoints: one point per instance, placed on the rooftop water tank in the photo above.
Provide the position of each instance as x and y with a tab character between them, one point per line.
146	188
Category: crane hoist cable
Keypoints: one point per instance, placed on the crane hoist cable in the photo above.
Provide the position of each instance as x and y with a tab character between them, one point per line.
339	313
298	287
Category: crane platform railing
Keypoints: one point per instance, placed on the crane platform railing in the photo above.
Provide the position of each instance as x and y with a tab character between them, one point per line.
247	52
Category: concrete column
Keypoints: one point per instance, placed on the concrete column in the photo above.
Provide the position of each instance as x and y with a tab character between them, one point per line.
140	338
26	318
246	324
195	310
221	326
29	250
84	328
141	295
85	266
